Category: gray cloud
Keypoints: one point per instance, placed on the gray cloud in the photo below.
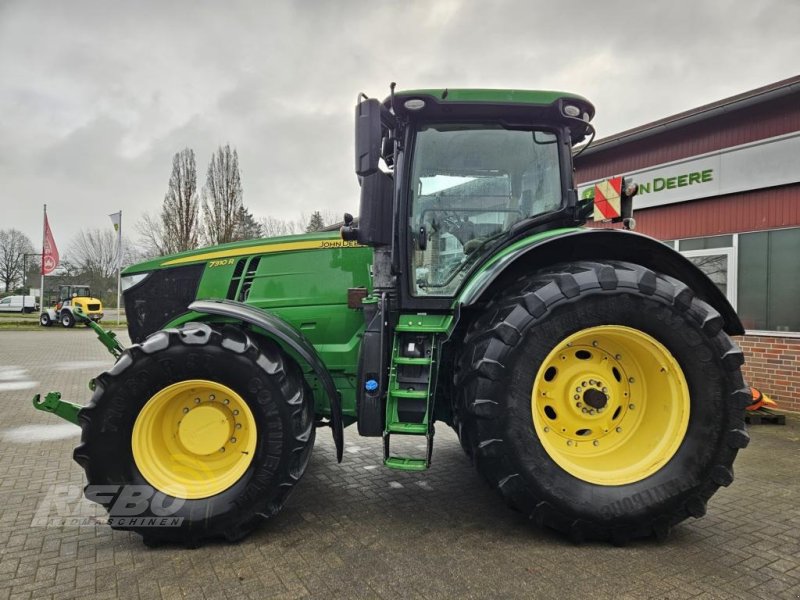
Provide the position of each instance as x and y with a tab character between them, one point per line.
95	97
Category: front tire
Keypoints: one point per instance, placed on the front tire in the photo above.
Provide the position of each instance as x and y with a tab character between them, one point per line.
603	400
44	320
207	422
67	319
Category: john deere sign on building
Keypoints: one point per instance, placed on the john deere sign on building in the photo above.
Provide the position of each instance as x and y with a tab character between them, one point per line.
766	163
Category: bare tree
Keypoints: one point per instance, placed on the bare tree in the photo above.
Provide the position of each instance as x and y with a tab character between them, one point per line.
93	255
222	197
180	208
274	227
178	227
152	238
13	245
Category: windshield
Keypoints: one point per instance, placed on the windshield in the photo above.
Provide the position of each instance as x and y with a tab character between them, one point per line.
469	184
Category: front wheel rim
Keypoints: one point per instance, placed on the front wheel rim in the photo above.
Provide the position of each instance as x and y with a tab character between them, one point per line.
610	405
194	439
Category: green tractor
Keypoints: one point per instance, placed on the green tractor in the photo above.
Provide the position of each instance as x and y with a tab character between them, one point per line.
588	373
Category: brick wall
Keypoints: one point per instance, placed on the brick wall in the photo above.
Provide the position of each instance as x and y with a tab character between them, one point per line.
772	364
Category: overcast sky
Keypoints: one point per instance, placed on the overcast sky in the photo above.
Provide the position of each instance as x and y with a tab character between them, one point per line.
96	97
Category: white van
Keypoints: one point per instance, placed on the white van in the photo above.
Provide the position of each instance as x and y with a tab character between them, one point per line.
18	304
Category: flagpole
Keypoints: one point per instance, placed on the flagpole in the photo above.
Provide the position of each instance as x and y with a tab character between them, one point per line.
44	237
119	267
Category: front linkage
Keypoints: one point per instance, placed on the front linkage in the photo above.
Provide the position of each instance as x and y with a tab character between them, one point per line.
68	411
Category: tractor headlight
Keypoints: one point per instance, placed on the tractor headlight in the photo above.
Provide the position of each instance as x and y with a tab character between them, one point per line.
128	281
414	104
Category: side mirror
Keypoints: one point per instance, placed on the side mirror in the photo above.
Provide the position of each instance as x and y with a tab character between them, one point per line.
368	136
375	214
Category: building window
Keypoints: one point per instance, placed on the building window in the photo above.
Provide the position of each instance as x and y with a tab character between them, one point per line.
706	243
759	273
769	280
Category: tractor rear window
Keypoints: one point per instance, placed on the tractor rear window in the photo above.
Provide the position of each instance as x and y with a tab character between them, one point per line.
470	183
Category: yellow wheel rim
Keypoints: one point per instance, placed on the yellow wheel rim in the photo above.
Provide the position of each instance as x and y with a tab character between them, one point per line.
194	439
610	405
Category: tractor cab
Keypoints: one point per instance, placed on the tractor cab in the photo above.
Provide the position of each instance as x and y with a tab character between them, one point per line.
66	293
471	171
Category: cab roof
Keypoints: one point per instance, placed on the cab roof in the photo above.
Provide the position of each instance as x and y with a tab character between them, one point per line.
440	100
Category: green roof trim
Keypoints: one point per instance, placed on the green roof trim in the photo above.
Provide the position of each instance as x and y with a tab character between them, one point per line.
537	97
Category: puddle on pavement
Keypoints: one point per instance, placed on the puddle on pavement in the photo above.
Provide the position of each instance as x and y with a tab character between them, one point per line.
26	434
77	365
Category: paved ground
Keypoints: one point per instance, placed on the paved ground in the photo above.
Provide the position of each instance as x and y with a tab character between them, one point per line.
356	530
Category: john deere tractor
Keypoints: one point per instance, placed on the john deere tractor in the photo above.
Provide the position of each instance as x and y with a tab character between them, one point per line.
588	372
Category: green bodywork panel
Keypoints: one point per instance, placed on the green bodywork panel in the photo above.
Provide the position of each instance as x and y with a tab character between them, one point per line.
301	279
506	255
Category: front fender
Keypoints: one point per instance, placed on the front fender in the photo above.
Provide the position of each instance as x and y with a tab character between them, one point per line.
287	336
542	250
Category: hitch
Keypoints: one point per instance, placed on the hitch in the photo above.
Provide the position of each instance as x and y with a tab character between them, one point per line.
107	337
53	403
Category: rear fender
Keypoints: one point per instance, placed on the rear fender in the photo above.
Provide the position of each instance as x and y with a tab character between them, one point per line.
287	337
597	244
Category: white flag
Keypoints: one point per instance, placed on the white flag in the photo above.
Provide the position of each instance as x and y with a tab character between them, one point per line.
116	219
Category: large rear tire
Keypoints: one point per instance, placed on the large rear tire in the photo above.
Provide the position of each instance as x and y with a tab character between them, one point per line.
602	399
203	426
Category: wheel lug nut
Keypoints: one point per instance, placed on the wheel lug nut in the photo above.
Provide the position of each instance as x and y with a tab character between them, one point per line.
631	380
618	430
577	389
236	412
576	397
197	400
238	426
211	396
618	356
595	443
226	401
569	442
605	390
222	449
233	440
579	405
584	410
546	429
583	384
631	406
594	344
185	410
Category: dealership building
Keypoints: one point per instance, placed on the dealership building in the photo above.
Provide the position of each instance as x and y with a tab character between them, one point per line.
721	184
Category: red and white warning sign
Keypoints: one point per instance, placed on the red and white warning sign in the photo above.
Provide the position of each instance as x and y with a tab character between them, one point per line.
607	199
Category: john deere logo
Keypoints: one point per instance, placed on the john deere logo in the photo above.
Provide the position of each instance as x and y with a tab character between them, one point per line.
658	184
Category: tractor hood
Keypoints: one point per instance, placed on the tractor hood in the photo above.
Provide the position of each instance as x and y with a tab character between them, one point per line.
307	241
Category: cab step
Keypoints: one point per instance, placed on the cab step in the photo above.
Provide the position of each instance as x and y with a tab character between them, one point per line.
412	382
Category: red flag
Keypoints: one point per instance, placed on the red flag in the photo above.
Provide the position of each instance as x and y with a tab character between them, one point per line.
49	250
